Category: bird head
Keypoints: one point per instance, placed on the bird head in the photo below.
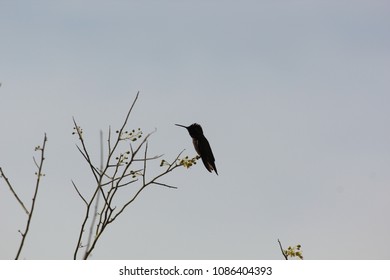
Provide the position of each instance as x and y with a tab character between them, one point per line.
195	130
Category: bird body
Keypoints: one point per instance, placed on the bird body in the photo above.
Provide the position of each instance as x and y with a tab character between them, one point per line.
202	146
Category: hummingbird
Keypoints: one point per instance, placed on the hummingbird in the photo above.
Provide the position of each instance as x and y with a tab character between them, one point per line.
201	145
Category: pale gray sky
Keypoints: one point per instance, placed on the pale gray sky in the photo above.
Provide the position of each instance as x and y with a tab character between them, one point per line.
293	96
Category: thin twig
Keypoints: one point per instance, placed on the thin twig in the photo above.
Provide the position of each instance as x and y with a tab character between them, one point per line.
144	172
77	190
165	185
126	184
39	175
95	213
281	249
36	163
147	159
109	139
121	130
84	152
13	191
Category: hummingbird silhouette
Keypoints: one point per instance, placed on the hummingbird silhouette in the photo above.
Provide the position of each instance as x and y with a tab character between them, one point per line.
202	146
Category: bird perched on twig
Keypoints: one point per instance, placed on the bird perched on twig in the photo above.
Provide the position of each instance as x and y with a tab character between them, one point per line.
202	146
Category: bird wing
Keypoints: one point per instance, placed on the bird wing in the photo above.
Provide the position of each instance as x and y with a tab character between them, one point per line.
196	146
205	152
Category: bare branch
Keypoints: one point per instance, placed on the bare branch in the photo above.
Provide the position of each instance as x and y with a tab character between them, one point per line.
144	172
128	115
95	213
281	249
121	130
84	152
113	177
39	175
36	163
77	190
86	157
13	191
128	183
109	140
165	185
153	181
174	162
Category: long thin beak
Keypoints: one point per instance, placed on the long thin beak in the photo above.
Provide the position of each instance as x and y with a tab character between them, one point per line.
180	125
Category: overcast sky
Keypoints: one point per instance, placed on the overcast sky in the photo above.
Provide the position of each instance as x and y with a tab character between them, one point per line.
293	97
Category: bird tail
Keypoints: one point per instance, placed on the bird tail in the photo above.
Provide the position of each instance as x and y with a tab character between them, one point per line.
210	166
